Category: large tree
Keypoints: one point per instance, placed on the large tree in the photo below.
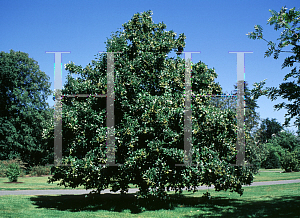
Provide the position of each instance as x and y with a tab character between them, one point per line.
24	112
267	129
287	140
149	119
288	22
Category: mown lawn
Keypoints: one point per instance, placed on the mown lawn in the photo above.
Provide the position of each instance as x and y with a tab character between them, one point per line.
32	183
257	201
275	176
40	183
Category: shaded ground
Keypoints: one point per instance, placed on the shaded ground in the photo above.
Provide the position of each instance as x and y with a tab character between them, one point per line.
284	206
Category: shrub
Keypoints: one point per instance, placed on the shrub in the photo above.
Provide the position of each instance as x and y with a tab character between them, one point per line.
2	169
13	172
290	162
4	165
40	170
261	152
297	153
272	159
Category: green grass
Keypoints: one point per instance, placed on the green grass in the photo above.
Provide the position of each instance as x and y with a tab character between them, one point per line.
33	183
257	201
30	183
275	176
40	183
271	170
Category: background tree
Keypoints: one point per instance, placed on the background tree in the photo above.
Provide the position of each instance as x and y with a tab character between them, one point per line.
287	140
290	159
267	129
288	22
149	119
251	116
279	149
251	96
255	153
272	155
24	112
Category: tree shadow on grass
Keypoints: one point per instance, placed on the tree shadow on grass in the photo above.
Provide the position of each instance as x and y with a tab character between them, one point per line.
94	202
284	206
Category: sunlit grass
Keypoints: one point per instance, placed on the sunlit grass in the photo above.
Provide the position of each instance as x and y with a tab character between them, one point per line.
34	183
275	176
257	201
40	183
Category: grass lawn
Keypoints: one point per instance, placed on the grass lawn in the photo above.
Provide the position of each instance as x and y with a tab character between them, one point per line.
274	176
257	201
40	183
32	183
271	170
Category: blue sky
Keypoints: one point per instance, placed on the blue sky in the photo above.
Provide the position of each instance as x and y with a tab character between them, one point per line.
212	27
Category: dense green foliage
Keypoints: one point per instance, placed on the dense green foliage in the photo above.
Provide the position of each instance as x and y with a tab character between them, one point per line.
267	129
13	172
24	113
251	121
281	150
287	21
290	161
255	154
12	169
149	119
287	140
251	95
272	155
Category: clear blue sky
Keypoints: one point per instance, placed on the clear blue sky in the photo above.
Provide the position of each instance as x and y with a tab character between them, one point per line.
213	27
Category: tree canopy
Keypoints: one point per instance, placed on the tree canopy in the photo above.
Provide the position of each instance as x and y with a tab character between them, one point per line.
149	119
24	112
267	129
287	21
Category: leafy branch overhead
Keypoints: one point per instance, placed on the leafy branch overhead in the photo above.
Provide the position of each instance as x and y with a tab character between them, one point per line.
288	21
